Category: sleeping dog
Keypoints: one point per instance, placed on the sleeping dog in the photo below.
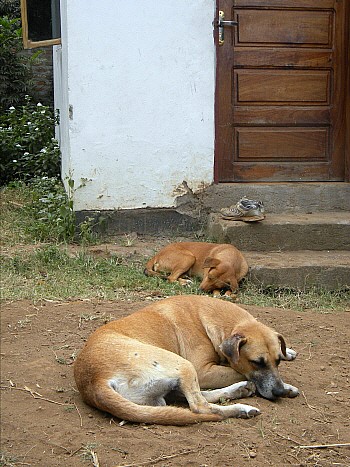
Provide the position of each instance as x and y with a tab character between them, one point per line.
187	345
220	266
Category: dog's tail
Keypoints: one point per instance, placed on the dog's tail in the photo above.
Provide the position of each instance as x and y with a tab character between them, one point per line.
108	400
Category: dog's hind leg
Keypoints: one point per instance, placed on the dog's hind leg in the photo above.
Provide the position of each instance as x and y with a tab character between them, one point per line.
235	391
180	266
176	264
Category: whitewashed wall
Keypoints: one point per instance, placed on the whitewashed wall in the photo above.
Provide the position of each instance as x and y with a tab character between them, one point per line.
135	87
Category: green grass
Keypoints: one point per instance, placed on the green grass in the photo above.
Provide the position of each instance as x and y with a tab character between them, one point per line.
311	299
50	271
16	219
6	460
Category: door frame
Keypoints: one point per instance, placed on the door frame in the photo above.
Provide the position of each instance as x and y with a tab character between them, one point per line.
347	99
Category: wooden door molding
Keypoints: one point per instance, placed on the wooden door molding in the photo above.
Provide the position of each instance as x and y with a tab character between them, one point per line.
347	101
281	91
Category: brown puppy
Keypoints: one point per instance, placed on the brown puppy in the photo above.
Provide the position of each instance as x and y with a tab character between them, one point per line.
182	344
220	266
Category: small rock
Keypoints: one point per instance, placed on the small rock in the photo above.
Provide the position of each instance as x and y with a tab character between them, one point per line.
252	454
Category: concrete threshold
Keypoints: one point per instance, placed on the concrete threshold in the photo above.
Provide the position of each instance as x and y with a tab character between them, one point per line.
329	270
299	231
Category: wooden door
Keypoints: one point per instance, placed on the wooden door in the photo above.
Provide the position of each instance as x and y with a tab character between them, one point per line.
280	91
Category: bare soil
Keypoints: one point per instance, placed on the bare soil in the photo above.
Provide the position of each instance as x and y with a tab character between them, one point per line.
45	423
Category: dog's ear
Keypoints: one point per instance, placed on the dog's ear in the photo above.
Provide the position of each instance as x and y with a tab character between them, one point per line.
210	262
283	344
231	346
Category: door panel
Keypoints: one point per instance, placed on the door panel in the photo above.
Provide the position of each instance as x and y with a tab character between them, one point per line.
281	87
284	27
304	144
280	91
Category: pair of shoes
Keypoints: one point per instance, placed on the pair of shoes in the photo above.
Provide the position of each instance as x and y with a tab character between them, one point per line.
246	210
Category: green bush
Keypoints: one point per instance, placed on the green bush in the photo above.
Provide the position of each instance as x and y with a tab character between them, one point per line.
11	8
51	210
27	146
16	72
42	211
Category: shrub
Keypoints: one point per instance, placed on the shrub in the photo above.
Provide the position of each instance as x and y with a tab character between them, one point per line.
27	146
52	211
11	8
16	74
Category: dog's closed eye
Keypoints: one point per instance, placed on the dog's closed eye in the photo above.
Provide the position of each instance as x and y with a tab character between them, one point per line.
259	362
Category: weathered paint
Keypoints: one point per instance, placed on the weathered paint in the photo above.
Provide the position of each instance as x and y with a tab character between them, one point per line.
135	88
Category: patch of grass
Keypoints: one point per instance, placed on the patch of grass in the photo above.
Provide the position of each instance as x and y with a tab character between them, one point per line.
36	212
49	272
41	211
88	453
7	460
287	298
15	217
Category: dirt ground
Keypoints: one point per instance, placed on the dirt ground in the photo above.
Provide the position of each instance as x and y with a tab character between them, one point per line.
45	423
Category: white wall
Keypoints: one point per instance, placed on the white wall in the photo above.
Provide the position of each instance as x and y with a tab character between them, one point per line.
139	79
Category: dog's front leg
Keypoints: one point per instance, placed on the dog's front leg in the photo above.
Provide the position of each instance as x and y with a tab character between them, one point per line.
290	355
290	391
213	376
235	391
201	402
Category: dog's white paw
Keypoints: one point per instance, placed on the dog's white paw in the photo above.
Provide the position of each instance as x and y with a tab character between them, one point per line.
185	281
246	411
290	354
240	390
248	389
230	296
235	410
290	391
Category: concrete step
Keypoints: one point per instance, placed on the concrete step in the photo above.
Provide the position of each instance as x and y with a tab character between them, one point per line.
282	197
329	270
284	232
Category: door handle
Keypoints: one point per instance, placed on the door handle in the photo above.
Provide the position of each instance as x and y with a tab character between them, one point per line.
221	24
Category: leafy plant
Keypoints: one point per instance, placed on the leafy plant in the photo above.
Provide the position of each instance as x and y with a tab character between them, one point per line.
11	8
52	211
16	73
42	211
27	145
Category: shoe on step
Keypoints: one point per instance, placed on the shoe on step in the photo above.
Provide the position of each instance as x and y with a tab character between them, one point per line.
246	210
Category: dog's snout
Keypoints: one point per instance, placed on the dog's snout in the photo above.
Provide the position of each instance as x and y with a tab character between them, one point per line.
278	391
205	286
268	385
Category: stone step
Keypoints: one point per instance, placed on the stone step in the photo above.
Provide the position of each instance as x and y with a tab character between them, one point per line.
281	197
329	270
284	232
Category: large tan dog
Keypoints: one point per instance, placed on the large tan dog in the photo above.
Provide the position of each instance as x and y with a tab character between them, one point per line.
220	266
183	343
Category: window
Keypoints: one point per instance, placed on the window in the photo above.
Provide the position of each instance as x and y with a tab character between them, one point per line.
41	23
